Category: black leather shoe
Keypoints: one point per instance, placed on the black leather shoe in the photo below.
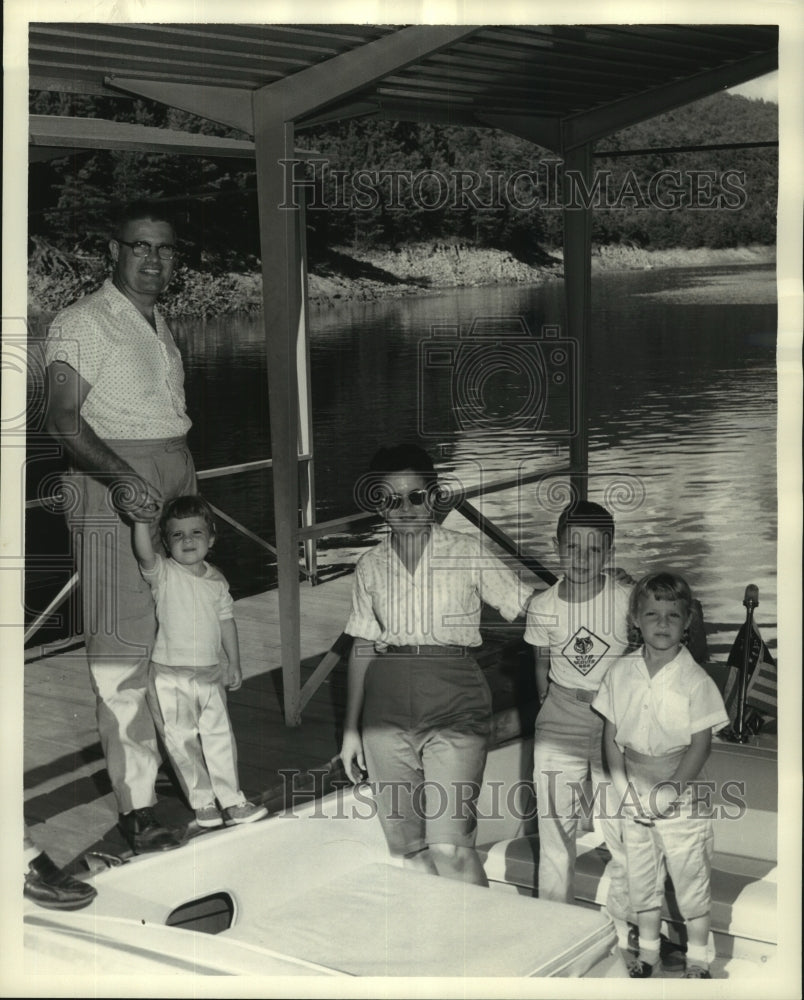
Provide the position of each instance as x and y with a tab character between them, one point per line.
637	969
47	885
697	972
145	833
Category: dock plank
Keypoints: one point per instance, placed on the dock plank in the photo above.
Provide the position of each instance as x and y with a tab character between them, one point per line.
68	801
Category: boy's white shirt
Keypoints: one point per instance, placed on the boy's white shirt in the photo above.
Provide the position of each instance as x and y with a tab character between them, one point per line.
584	637
189	610
658	715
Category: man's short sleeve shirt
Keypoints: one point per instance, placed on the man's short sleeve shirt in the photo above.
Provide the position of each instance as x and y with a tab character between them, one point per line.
135	374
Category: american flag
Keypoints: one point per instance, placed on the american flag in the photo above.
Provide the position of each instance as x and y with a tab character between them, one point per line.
762	690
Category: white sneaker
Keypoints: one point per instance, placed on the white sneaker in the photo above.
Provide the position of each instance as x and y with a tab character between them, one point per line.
208	816
244	812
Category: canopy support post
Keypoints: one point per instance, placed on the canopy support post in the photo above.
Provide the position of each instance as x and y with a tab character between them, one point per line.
282	314
578	292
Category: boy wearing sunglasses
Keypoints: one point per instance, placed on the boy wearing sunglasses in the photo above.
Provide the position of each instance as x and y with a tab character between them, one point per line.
424	703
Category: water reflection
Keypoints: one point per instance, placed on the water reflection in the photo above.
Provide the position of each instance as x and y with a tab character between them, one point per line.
682	397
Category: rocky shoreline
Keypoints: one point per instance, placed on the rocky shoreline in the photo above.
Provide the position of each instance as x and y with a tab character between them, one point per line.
420	269
346	275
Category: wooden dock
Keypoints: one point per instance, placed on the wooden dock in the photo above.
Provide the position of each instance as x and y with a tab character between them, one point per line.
69	805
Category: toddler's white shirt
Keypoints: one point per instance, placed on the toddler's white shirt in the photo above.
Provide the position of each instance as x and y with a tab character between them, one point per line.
189	610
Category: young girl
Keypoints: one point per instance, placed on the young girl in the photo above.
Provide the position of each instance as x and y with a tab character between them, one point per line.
186	693
425	705
661	710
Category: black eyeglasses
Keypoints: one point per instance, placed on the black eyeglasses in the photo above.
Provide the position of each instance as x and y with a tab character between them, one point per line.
141	248
393	501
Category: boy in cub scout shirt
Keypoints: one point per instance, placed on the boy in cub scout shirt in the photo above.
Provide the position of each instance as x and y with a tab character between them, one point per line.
578	628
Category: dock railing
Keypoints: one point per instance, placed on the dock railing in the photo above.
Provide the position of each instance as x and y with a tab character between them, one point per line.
309	534
309	569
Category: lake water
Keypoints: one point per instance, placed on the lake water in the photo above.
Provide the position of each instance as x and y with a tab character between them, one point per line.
681	401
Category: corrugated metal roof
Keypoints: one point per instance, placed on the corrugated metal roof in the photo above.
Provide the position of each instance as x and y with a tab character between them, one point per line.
546	71
246	56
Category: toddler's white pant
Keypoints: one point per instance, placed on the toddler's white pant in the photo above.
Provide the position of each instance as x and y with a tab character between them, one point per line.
190	703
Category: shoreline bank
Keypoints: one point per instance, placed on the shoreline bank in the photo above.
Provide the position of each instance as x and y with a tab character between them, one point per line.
421	269
346	275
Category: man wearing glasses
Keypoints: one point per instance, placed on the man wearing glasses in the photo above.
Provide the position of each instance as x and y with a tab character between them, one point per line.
116	404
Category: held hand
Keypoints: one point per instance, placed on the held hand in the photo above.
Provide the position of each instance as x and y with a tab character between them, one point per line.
135	499
354	763
630	811
234	677
633	808
664	802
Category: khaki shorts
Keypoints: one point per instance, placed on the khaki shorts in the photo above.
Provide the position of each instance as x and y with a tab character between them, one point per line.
426	723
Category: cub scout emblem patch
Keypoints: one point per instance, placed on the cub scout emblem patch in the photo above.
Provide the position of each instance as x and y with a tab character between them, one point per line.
585	650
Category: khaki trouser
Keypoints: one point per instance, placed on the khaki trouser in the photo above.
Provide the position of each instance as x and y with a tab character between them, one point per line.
568	744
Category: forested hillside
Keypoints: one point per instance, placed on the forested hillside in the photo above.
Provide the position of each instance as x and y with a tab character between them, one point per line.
382	184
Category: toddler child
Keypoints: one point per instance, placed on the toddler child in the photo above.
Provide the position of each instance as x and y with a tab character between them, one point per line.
661	710
194	611
578	627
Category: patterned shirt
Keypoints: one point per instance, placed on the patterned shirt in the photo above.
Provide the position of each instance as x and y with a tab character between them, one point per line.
189	610
135	374
658	715
440	603
584	637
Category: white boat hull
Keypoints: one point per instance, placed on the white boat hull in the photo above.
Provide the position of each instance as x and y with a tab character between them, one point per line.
313	891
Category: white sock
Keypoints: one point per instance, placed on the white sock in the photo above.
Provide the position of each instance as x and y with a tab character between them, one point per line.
698	954
649	950
29	853
621	926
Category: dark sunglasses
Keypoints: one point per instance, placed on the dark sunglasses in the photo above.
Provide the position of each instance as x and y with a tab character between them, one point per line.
393	501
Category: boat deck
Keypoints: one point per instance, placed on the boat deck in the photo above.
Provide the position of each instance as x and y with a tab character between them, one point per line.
69	805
